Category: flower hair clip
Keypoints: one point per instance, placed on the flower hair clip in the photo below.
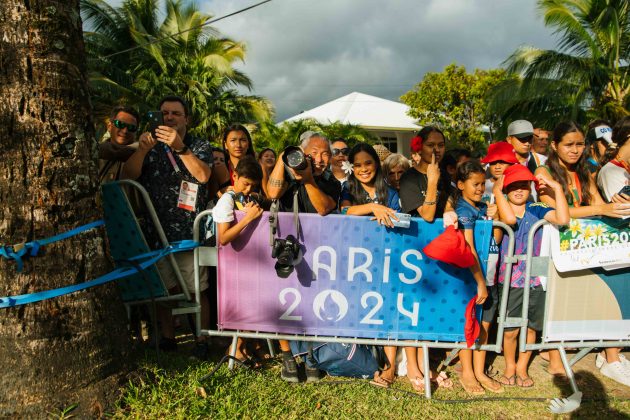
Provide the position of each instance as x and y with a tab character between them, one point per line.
347	167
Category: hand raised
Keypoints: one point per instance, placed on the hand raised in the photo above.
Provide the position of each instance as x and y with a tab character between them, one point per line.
433	171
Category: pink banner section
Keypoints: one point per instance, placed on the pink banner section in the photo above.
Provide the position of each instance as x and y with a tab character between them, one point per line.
356	279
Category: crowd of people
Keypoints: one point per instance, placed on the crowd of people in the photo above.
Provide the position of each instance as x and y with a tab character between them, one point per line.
534	174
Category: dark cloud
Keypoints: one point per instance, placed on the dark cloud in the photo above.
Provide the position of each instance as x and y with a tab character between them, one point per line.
302	53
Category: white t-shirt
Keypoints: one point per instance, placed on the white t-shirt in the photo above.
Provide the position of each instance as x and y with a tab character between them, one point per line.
611	179
223	212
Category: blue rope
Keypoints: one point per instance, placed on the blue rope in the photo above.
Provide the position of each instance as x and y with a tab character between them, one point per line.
31	249
149	257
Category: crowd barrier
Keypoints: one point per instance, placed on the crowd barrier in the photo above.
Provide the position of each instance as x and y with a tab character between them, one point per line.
361	283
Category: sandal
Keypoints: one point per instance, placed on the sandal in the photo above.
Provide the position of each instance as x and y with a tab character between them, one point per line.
418	384
524	382
472	389
505	381
442	381
492	386
380	381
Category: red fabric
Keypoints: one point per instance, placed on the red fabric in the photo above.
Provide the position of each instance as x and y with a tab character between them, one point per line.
416	144
471	327
501	151
517	173
451	247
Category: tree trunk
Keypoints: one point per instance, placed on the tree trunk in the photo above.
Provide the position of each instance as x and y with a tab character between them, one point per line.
71	349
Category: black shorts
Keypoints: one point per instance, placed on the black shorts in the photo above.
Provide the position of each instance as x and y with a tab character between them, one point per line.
536	310
491	305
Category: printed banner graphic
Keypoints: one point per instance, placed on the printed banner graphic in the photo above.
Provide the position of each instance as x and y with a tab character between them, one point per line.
590	243
355	279
584	301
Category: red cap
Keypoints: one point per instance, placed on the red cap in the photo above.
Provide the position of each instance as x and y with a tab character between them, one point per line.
516	173
451	247
416	144
501	151
471	327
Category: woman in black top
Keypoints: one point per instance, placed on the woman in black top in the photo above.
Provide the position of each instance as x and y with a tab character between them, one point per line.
422	192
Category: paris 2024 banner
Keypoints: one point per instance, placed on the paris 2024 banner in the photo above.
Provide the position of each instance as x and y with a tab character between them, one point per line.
355	279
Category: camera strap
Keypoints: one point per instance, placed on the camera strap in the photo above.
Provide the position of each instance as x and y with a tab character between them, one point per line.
273	217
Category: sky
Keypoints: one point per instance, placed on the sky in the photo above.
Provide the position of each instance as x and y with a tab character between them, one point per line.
303	53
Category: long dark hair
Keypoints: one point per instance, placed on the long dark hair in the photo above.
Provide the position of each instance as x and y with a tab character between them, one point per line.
359	195
559	173
620	135
242	128
464	171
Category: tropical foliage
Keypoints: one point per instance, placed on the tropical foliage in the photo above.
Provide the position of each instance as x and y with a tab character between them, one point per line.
277	137
586	78
146	49
454	101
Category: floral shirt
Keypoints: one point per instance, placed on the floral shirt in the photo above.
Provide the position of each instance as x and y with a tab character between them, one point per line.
162	183
533	213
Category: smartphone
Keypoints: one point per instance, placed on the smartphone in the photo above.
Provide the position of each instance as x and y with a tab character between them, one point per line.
404	220
155	120
625	190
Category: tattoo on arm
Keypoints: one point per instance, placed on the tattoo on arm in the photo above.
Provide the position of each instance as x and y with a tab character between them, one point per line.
274	182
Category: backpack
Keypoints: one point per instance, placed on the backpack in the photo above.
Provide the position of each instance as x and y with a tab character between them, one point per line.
341	359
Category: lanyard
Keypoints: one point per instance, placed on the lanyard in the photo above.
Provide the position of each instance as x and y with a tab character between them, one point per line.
172	159
578	187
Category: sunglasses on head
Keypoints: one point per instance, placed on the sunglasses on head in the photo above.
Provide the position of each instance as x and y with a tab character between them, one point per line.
343	151
130	127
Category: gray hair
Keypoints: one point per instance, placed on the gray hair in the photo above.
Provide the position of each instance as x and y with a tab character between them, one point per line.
305	138
393	160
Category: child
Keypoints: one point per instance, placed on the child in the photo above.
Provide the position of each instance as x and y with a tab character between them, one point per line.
517	185
366	193
471	178
500	156
247	176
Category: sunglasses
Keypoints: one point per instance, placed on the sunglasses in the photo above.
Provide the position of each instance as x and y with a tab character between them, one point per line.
130	127
344	151
527	139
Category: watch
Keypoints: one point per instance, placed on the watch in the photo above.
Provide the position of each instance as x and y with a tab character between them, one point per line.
181	151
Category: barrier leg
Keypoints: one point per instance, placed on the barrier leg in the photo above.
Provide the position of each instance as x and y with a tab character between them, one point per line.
272	352
571	403
580	355
444	363
427	371
233	351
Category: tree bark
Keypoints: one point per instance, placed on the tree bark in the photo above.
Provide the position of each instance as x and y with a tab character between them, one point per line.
71	349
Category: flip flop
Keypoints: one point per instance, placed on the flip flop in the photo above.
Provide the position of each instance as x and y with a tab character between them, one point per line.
418	384
505	381
524	382
489	385
380	381
442	381
469	388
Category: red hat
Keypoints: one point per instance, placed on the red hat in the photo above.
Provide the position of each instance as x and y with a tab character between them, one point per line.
471	327
416	144
451	247
517	173
501	151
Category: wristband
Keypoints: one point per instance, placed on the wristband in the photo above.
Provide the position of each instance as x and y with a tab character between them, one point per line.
181	151
430	203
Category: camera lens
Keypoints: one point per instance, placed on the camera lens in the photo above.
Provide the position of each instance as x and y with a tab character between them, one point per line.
294	158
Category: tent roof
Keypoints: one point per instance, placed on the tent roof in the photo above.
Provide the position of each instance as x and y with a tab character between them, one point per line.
363	110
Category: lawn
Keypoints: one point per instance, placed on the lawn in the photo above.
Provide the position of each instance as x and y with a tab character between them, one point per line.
175	390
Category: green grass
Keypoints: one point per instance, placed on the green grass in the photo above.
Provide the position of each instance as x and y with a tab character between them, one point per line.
174	391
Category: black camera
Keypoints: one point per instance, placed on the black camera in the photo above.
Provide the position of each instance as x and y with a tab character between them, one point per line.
295	158
288	253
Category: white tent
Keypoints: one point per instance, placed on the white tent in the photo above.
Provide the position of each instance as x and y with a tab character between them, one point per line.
388	120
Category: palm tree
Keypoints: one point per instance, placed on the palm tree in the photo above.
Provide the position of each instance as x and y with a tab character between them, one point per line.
179	54
587	77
